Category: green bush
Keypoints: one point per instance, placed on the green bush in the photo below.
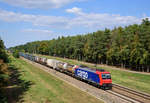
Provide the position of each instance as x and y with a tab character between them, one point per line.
16	54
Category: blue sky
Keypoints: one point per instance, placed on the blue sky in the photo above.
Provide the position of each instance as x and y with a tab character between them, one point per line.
24	21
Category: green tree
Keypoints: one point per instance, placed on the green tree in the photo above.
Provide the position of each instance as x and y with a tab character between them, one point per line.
3	54
43	48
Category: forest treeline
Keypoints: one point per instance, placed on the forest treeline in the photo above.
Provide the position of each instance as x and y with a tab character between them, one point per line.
127	47
4	72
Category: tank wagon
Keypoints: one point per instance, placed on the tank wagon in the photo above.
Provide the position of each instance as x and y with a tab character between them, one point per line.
52	63
41	60
98	77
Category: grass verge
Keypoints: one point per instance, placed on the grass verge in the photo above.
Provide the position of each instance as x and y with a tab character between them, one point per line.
140	82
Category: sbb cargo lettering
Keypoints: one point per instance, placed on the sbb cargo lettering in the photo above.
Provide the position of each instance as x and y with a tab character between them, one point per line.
82	74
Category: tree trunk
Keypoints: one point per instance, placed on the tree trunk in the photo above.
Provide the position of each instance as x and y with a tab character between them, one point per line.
122	65
106	62
142	68
148	70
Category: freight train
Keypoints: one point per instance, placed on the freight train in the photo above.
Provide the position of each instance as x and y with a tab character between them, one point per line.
97	77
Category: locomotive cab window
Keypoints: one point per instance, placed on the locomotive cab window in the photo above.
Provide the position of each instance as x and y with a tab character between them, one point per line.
106	76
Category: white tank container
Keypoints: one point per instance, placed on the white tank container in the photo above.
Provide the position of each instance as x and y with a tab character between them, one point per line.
52	63
36	59
65	66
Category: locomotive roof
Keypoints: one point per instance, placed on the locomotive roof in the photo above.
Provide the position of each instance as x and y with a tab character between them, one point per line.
92	69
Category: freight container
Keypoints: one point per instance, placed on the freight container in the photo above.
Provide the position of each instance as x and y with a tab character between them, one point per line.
40	60
52	63
44	60
71	68
36	58
61	65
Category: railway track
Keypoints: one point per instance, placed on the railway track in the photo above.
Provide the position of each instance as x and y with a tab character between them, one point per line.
126	94
90	89
129	94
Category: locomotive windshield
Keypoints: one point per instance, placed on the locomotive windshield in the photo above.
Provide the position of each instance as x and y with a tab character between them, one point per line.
106	76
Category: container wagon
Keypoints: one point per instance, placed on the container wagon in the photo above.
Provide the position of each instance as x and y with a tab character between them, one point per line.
52	63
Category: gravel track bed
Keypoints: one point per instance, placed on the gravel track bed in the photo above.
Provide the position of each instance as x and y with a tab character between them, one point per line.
96	92
141	97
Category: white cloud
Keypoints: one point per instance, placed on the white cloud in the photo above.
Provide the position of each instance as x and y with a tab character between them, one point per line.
103	20
14	17
75	10
39	3
86	20
100	20
37	31
38	20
